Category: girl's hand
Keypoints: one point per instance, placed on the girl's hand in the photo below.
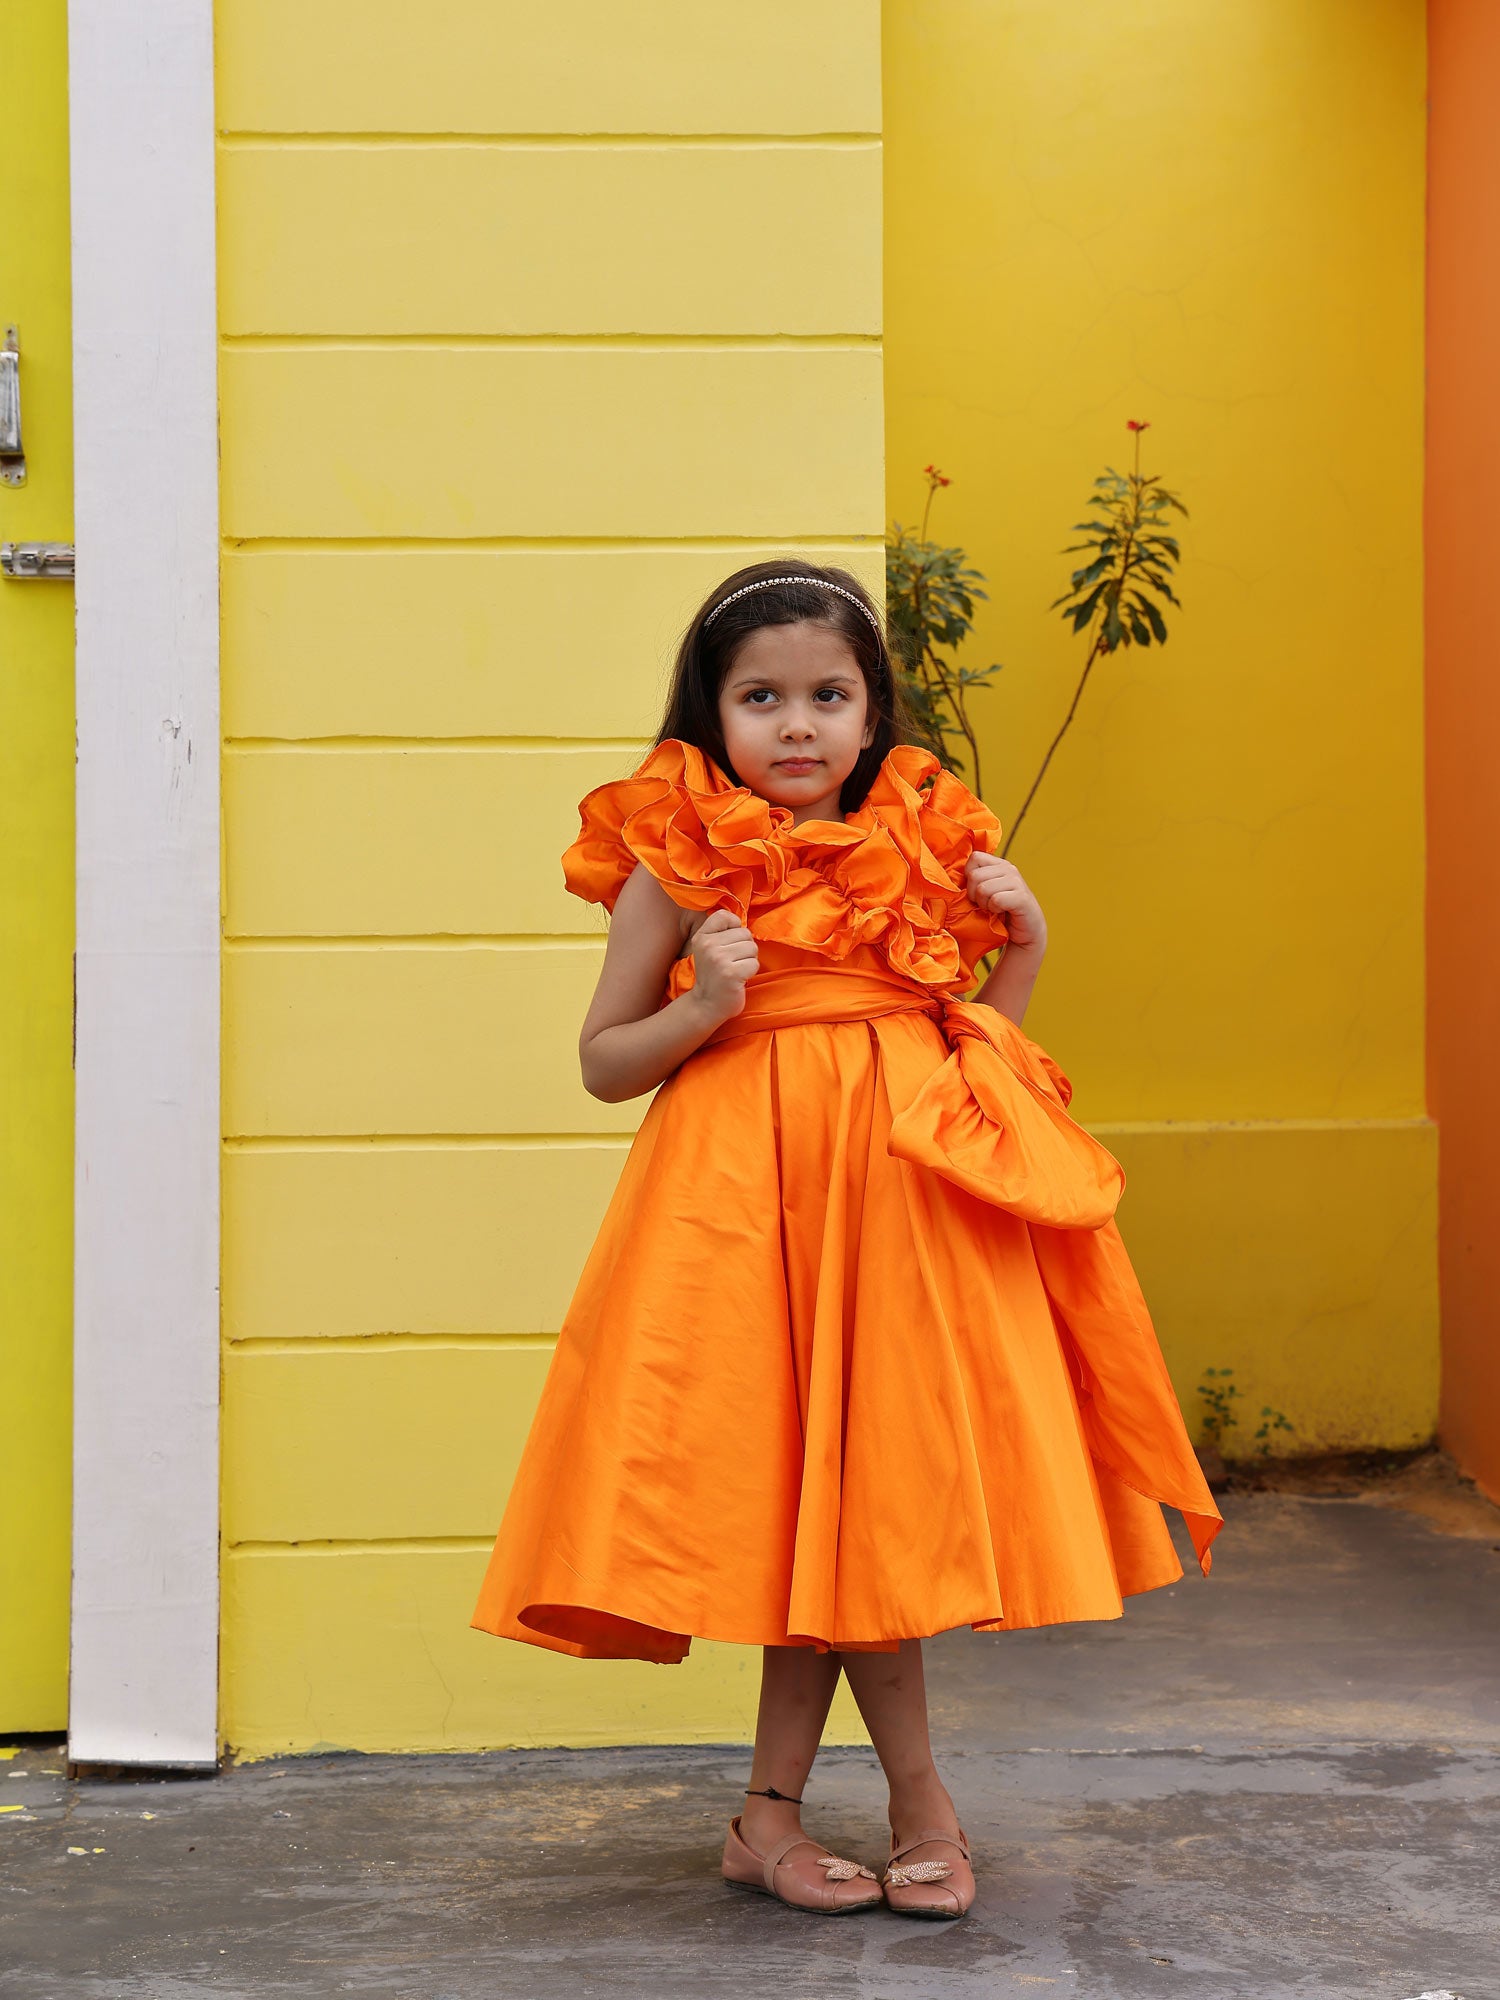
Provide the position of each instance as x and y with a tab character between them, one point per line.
996	887
724	958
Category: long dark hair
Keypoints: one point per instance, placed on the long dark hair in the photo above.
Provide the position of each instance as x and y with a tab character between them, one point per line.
705	657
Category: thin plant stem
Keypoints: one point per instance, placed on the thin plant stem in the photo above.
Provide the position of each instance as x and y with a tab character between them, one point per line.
950	691
1088	664
1132	529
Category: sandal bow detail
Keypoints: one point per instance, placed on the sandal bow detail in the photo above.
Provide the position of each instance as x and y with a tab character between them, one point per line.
839	1889
840	1870
931	1887
919	1871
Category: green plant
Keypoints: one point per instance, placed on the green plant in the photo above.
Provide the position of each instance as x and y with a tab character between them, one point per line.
1271	1421
1117	590
1217	1391
930	596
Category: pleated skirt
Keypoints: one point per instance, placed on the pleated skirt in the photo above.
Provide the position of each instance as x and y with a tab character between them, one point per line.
808	1392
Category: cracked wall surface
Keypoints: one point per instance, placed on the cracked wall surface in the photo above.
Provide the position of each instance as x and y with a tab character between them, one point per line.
1209	219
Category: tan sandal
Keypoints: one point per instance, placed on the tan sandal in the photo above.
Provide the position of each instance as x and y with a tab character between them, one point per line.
841	1889
932	1887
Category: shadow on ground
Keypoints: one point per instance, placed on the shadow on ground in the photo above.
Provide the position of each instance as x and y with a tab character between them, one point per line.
1285	1781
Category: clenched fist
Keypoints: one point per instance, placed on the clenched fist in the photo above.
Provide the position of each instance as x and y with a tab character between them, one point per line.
996	887
724	958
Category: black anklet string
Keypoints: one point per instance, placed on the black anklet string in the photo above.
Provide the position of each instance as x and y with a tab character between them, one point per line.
771	1793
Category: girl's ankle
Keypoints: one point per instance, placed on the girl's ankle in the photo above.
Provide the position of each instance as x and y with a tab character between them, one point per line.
925	1805
765	1821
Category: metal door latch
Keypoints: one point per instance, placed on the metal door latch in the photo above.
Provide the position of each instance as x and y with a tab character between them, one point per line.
22	560
12	458
28	560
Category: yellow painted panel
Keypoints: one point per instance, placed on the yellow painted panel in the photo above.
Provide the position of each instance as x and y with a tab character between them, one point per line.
574	441
341	1242
37	762
429	1039
1229	844
372	1650
1302	1257
514	373
468	642
377	1444
556	239
326	843
573	66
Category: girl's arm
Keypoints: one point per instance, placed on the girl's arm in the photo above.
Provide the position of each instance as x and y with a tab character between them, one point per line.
996	886
630	1042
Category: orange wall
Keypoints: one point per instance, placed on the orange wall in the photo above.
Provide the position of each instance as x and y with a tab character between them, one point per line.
1463	711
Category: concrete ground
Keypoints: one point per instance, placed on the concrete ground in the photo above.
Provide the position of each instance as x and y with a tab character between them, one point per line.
1284	1781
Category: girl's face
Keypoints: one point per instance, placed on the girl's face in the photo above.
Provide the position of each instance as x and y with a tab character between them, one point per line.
795	715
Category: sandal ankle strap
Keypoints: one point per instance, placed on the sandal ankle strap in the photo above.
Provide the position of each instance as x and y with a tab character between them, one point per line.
774	1855
959	1840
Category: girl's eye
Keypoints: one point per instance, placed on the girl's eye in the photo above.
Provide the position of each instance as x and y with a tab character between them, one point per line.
754	694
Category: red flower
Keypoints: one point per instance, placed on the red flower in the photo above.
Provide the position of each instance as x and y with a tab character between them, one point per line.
1132	425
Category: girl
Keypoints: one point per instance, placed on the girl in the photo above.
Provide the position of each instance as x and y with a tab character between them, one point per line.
857	1356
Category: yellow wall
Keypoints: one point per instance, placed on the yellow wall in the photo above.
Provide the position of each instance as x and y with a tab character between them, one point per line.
521	353
36	896
1209	218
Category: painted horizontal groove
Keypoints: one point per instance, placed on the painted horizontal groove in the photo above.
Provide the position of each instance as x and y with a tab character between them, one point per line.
470	544
248	141
493	1141
421	1142
407	1545
1193	1127
549	745
391	1343
418	941
532	343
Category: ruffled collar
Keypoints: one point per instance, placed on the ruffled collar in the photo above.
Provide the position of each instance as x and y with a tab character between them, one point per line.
889	876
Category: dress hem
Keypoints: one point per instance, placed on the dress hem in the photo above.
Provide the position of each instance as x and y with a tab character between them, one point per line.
521	1630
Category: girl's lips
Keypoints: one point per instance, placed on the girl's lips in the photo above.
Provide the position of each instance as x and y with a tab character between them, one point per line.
795	764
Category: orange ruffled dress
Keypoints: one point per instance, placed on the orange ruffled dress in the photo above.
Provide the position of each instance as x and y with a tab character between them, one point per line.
857	1354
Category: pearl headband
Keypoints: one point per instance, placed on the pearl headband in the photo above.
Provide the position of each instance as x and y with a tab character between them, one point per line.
815	582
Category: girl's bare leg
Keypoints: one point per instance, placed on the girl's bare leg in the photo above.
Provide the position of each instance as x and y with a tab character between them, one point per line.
796	1689
892	1697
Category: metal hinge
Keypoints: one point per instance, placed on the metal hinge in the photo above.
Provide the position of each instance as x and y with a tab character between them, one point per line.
12	457
26	561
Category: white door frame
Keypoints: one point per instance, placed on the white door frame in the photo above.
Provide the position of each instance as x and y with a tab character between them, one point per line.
145	1612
